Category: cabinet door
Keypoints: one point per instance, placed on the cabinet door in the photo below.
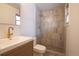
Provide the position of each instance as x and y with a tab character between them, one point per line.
23	50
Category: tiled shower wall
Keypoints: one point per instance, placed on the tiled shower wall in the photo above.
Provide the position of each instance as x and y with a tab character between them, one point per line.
52	28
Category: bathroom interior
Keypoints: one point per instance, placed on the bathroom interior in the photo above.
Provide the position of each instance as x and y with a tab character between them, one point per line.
37	29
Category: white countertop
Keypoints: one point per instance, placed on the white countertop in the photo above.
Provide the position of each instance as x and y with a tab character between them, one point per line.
7	44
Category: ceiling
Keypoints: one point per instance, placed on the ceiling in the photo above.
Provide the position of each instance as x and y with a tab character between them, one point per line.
40	6
46	6
15	5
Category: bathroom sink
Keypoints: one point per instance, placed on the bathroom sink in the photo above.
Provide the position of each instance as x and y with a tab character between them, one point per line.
7	44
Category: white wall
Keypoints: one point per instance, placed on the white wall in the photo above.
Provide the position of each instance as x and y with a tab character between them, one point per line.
72	31
28	19
37	22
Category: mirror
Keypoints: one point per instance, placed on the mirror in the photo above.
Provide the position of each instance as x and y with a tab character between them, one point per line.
10	13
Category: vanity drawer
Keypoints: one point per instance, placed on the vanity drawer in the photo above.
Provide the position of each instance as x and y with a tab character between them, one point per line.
23	50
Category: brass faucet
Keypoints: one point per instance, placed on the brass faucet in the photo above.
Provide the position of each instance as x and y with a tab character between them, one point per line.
9	32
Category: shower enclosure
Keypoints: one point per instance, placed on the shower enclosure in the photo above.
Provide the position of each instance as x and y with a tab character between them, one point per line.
51	29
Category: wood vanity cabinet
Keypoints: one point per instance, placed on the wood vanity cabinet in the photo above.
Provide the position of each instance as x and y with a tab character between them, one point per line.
23	50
